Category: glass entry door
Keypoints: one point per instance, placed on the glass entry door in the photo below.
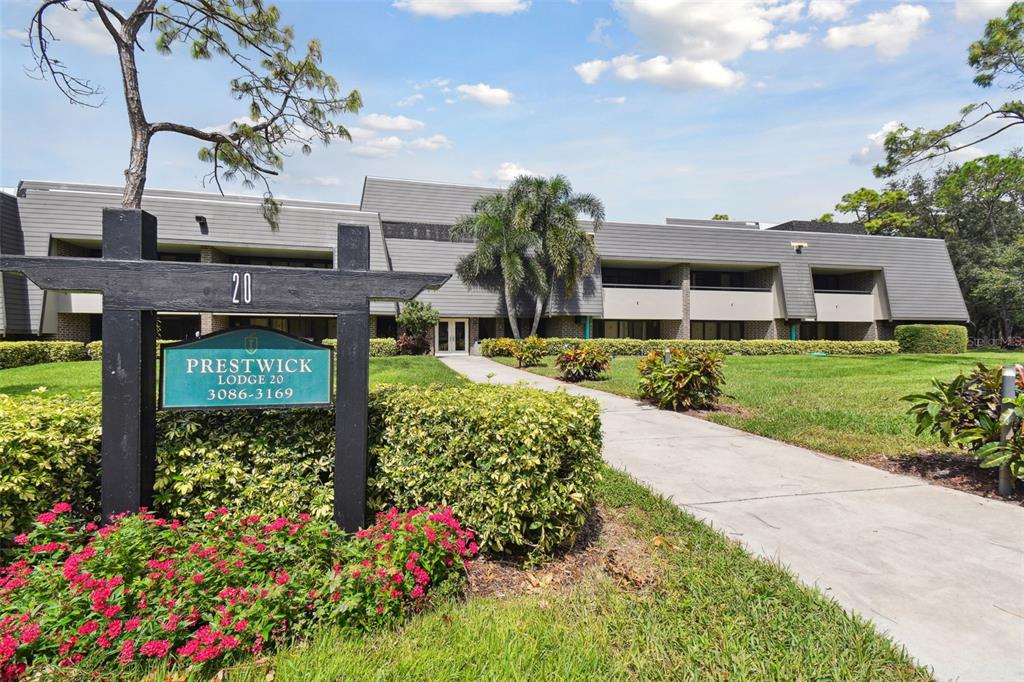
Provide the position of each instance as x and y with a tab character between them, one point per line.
451	336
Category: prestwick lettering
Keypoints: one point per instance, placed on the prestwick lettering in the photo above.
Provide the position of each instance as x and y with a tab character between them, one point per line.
246	366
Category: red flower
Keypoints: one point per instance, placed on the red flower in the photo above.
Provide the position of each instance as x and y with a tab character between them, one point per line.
61	508
241	625
46	518
21	539
197	578
127	652
88	627
157	648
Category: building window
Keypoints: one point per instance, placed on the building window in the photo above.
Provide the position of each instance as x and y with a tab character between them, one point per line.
718	279
387	328
314	329
810	331
631	276
282	261
713	330
627	329
488	328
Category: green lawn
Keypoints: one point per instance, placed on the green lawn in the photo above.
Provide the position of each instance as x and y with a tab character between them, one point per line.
78	379
717	613
843	405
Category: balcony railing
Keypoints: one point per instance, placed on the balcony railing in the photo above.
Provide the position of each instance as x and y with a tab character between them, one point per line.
846	306
641	286
731	304
701	288
643	302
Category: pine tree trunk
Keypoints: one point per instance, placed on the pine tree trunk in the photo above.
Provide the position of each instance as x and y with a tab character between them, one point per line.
135	173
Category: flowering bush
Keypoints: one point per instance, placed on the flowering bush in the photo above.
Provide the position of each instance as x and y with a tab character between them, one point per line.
503	347
530	351
583	362
202	593
689	381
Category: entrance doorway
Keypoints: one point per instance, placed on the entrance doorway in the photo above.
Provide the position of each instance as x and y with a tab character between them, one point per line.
451	336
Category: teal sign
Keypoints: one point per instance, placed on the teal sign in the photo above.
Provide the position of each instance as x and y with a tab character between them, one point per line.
245	368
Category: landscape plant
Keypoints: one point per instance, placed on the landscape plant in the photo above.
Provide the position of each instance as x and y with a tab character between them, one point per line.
145	591
505	347
585	362
687	381
530	351
966	412
22	353
931	338
416	320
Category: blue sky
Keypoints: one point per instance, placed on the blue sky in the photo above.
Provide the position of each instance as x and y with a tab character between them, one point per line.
763	109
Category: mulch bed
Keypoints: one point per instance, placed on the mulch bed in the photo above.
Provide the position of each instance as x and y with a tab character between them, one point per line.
951	470
606	543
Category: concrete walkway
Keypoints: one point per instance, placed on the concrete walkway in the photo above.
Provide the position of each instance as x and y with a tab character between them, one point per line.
940	571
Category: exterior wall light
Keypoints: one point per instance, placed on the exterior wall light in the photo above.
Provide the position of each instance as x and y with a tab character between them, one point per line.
798	247
204	228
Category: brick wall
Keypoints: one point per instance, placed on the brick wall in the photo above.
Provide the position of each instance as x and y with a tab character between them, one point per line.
564	327
760	329
208	322
73	327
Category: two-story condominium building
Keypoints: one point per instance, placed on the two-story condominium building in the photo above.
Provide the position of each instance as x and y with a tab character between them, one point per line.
681	279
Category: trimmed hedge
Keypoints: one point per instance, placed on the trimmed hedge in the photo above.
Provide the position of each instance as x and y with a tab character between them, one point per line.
932	338
379	348
497	347
21	353
517	465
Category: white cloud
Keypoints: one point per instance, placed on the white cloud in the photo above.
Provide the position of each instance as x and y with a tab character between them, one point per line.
610	100
446	9
790	41
971	10
319	181
890	32
431	144
589	72
440	83
392	145
871	153
15	33
693	40
379	147
661	70
509	171
485	94
80	26
830	10
385	122
411	99
597	34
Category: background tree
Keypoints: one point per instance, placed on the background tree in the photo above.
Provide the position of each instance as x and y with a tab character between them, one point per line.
978	209
550	209
720	216
416	319
997	58
502	257
879	212
289	103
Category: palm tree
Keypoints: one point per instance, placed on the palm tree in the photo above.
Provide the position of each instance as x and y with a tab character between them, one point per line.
502	255
549	208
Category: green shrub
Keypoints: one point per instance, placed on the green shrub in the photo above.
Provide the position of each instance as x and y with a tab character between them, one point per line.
21	353
497	347
516	465
582	363
965	412
416	319
689	381
379	348
49	450
530	351
931	338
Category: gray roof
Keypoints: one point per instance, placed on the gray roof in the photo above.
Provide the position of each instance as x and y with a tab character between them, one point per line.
819	226
918	274
416	201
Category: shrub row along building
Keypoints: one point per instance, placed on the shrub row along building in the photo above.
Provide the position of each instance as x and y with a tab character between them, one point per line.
683	279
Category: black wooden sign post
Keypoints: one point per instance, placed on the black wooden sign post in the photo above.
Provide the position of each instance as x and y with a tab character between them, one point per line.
135	285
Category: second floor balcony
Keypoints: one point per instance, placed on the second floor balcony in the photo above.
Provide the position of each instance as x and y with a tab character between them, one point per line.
643	302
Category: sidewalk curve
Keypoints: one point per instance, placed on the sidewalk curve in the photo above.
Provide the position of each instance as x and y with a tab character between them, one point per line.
941	571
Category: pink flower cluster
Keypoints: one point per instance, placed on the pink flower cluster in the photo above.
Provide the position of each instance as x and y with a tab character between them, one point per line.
146	589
